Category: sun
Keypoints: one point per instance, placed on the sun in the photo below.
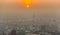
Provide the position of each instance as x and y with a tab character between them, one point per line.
27	3
27	6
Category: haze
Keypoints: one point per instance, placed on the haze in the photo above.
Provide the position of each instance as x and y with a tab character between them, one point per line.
43	11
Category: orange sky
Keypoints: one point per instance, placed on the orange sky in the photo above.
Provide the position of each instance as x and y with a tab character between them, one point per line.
37	1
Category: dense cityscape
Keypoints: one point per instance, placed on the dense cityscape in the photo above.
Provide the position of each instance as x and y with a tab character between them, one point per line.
42	19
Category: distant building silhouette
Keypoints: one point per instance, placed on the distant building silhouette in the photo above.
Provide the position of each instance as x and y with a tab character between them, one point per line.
13	32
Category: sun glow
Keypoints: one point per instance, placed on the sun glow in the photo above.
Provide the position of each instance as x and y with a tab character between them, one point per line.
27	3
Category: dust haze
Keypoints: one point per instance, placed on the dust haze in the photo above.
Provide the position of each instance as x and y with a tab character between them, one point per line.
13	14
